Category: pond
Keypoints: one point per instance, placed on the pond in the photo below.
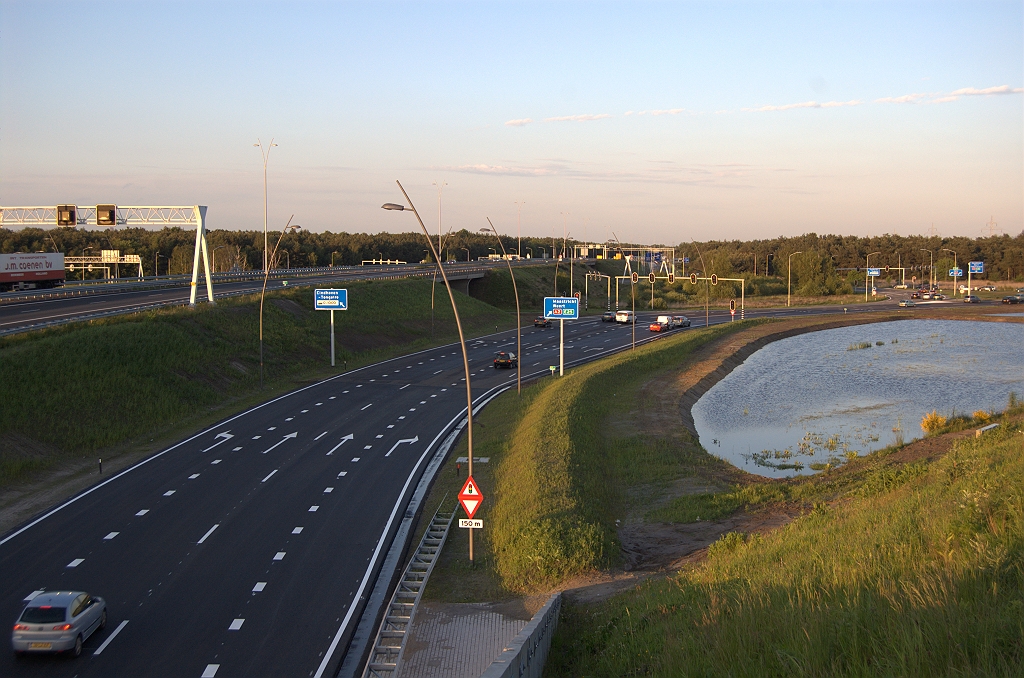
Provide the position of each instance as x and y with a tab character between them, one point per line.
820	398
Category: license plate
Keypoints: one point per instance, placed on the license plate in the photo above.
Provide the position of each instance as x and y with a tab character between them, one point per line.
40	646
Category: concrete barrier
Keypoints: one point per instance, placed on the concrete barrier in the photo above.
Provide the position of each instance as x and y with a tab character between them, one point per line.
525	656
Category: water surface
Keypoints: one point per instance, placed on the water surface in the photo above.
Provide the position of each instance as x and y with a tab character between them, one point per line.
806	401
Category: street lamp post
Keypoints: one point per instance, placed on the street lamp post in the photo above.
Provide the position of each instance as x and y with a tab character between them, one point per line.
867	277
462	339
789	285
469	257
530	250
263	293
519	227
519	325
266	156
955	267
632	291
931	269
332	258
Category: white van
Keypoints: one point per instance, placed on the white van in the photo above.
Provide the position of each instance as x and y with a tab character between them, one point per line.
624	317
666	321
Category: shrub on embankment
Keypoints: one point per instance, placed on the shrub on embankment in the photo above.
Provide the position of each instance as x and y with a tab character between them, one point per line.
922	577
88	386
556	495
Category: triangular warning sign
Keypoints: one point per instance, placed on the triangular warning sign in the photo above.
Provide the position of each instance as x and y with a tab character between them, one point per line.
470	497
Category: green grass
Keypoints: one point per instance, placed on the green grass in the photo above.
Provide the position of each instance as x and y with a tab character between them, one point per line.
916	571
93	386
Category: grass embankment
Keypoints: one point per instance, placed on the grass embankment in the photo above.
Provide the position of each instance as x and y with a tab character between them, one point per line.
114	384
908	569
558	475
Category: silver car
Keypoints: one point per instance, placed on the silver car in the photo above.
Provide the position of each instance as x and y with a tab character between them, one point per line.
58	621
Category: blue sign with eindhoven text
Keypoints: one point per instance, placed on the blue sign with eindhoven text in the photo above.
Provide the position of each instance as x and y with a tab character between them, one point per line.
330	300
976	266
561	308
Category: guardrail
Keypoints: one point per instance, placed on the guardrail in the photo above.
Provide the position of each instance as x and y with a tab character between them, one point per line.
526	654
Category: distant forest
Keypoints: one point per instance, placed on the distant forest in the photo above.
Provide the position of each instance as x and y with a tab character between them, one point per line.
825	264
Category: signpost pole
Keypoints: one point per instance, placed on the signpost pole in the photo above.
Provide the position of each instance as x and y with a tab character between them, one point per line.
332	337
561	347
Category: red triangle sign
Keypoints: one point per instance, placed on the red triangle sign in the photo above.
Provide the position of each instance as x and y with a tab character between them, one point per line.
470	497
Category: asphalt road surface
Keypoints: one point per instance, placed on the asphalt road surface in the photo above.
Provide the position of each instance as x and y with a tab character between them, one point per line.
242	550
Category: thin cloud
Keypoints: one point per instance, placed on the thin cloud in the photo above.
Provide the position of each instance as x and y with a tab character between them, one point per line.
804	104
578	118
1002	89
503	170
519	122
905	99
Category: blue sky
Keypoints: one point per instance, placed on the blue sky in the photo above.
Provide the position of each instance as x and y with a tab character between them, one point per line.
661	122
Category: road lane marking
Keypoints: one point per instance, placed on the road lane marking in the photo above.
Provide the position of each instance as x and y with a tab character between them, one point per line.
314	508
434	395
320	436
211	671
269	475
296	530
32	596
293	434
343	474
328	490
438	372
303	411
289	418
380	435
106	642
333	397
142	512
193	476
236	625
412	409
391	425
368	406
423	402
366	447
406	440
169	493
318	405
224	437
256	437
208	533
260	585
355	459
344	392
111	536
76	562
343	441
272	428
402	417
279	555
217	461
405	387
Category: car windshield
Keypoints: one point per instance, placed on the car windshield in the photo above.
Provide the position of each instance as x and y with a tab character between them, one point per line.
43	615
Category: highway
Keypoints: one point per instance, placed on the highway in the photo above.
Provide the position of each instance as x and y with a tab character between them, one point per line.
20	312
247	549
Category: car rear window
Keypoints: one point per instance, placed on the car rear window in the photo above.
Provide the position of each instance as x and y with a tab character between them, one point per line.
43	615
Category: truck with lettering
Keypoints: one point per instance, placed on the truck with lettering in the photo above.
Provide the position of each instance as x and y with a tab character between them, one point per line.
30	271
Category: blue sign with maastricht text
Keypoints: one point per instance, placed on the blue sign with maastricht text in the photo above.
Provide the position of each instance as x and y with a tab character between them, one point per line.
561	308
330	300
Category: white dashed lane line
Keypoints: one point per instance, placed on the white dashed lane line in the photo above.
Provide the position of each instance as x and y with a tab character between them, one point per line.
142	512
106	642
76	562
297	530
217	461
236	624
169	493
260	585
363	408
111	536
208	533
279	555
210	671
320	436
269	476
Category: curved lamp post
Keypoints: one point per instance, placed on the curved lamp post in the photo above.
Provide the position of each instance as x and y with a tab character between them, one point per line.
789	284
632	290
266	156
469	257
215	256
519	326
266	276
955	279
462	338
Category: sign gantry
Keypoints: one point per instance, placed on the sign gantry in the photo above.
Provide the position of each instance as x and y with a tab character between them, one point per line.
111	216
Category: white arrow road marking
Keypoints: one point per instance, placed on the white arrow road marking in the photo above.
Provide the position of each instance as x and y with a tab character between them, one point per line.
106	642
343	441
293	434
224	437
406	440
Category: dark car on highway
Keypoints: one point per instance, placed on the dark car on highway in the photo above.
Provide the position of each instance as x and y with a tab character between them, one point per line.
1011	299
541	321
505	359
608	317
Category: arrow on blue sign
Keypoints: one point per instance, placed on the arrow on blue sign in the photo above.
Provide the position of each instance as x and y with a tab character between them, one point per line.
561	308
330	300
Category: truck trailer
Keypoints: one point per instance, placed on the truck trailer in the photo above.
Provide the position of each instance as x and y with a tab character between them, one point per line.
30	271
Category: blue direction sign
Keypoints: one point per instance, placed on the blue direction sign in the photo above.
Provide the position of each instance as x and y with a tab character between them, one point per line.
562	308
956	273
874	272
330	300
976	266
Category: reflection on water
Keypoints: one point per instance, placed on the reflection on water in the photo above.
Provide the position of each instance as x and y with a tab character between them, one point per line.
820	398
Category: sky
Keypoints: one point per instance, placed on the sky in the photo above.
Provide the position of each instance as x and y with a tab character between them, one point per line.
658	122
